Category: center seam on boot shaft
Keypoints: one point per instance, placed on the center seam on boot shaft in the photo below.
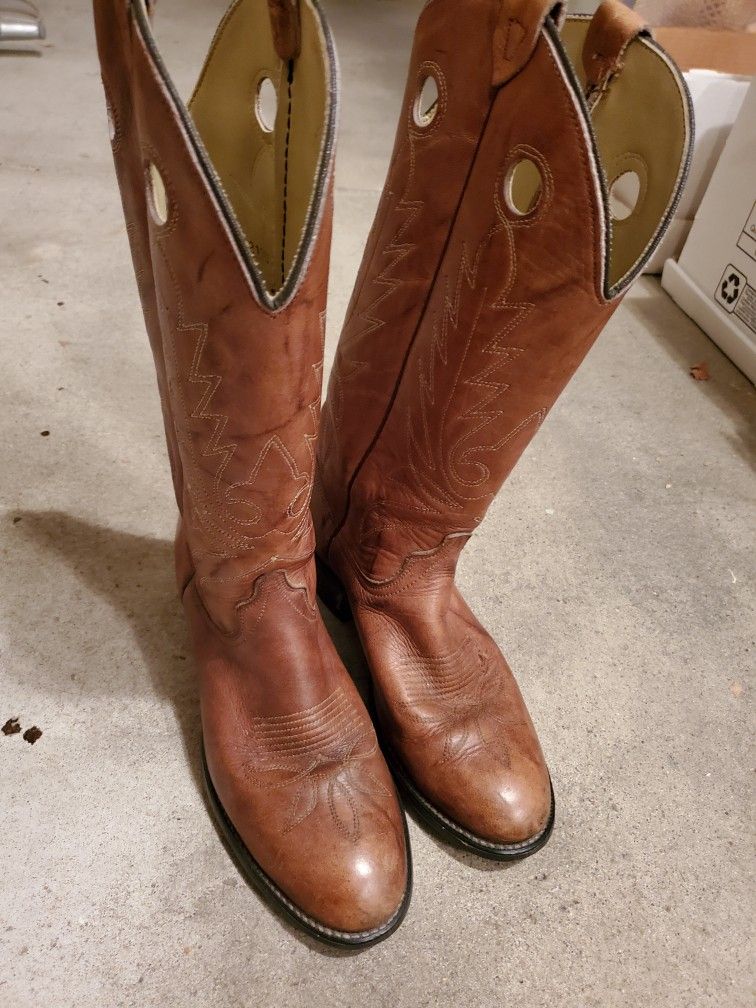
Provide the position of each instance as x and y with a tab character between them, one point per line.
590	211
395	249
368	451
423	314
272	304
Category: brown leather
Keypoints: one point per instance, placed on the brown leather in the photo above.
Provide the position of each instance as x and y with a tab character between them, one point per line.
426	176
467	321
291	751
612	28
518	26
286	27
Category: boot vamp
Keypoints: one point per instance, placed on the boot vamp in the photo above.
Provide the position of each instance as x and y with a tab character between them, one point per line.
295	762
453	713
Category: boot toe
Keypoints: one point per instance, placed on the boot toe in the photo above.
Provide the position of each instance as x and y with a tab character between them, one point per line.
487	805
346	879
511	809
361	897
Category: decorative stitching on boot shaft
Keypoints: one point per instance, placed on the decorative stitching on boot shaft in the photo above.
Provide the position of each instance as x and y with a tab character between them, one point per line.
454	700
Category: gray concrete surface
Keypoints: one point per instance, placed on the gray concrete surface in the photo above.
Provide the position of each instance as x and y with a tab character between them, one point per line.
616	570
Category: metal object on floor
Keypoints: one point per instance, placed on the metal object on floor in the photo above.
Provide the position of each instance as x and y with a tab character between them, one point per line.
20	21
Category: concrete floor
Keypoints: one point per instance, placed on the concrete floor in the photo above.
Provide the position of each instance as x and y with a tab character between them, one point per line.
616	570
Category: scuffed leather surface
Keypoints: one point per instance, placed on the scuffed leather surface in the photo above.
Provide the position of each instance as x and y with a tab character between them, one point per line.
448	703
289	745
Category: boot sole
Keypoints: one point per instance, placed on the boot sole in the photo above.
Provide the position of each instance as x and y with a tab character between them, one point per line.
333	595
278	901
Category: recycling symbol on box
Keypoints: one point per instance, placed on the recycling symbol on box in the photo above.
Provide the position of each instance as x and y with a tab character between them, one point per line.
730	287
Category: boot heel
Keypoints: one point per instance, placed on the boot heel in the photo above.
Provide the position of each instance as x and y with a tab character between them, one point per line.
331	591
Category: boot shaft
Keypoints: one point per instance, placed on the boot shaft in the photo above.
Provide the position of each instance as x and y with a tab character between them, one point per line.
446	101
229	212
528	272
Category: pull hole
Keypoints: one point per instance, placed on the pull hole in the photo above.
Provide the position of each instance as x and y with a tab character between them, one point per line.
522	187
111	120
266	104
158	197
623	195
426	103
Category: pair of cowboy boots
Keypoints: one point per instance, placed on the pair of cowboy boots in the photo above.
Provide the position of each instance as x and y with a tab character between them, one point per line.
497	255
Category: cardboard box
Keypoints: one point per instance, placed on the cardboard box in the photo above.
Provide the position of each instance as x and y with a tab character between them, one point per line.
715	279
705	49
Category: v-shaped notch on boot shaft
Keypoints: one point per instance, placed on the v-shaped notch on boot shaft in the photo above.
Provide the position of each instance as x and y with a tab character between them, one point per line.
260	128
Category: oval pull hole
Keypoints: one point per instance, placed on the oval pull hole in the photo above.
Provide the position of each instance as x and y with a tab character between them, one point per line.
266	105
158	196
522	187
623	195
426	103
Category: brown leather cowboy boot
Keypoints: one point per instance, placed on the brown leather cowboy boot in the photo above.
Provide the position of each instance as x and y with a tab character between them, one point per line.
493	264
228	205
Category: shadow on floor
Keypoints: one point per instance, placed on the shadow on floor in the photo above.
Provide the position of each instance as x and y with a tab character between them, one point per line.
6	52
134	575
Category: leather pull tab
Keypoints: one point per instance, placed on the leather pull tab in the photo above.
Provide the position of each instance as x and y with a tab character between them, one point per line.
515	35
286	25
613	27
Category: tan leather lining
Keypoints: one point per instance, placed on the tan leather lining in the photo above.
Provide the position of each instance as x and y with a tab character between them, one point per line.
269	178
640	124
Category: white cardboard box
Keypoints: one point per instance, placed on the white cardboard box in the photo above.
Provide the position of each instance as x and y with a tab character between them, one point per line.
714	280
